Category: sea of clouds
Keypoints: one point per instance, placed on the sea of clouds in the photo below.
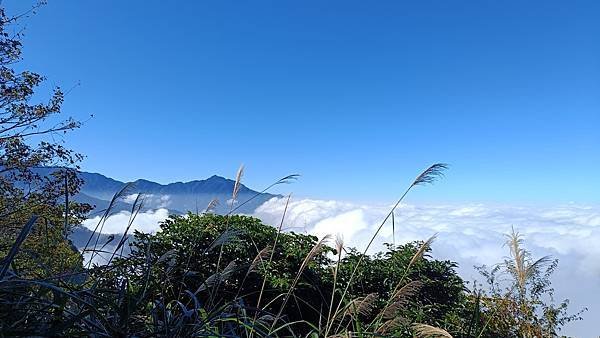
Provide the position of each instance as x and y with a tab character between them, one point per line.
470	234
473	232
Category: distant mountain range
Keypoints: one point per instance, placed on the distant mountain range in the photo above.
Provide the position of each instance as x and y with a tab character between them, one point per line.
178	197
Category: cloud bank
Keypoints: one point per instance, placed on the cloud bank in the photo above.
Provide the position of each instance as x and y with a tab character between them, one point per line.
475	232
117	223
470	234
150	200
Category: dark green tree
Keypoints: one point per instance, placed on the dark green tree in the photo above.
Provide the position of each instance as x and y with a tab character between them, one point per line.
30	138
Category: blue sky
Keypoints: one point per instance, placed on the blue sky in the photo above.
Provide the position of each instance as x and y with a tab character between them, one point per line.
357	96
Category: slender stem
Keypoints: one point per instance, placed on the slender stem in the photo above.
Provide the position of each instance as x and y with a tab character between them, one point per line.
66	205
264	282
335	272
360	260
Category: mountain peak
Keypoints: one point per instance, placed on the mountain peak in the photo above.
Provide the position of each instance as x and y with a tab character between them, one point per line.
178	197
215	178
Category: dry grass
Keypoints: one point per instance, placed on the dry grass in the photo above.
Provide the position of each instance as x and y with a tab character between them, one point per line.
428	331
428	176
520	264
314	251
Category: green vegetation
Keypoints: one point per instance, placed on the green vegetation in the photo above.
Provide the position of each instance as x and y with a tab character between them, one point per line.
27	141
212	275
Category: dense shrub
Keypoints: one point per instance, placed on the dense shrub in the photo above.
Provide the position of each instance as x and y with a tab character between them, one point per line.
185	258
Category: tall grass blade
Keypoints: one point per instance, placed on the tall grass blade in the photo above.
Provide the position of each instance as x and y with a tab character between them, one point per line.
316	249
428	176
12	253
137	206
99	227
264	282
284	180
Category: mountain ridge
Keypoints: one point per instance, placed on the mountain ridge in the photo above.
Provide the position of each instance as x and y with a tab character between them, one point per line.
178	197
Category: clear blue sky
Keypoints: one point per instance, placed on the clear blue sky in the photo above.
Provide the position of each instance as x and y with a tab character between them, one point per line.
357	96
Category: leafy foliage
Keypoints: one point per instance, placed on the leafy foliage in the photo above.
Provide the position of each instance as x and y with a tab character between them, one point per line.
519	301
187	248
28	141
439	294
179	264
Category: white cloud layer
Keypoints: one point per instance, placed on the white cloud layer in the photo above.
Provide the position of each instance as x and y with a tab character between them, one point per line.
116	224
150	200
475	231
471	234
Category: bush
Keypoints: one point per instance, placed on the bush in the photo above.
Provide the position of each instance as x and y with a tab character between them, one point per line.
218	261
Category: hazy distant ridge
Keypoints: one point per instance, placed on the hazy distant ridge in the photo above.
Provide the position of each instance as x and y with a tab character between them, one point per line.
177	197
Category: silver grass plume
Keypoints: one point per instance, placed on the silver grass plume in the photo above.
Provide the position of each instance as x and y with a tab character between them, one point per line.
431	174
428	331
424	247
362	305
401	299
260	259
237	185
212	205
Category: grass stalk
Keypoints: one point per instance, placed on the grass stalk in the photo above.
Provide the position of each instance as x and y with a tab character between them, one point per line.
428	176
